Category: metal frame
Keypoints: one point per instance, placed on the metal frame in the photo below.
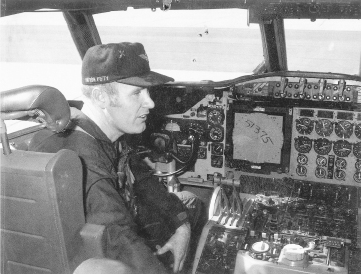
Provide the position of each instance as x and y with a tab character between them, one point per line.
83	30
274	44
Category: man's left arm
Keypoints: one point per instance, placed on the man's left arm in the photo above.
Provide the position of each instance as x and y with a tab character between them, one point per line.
148	188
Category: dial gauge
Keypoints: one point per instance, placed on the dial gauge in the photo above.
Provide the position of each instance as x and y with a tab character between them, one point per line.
217	148
340	174
321	161
358	131
216	134
215	116
340	163
357	150
202	153
358	165
303	144
304	126
344	129
322	146
342	148
301	170
302	159
357	177
324	127
320	172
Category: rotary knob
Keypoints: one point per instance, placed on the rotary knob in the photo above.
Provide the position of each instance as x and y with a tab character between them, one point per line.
283	94
321	97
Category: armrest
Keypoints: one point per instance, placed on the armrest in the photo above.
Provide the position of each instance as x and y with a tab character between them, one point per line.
93	243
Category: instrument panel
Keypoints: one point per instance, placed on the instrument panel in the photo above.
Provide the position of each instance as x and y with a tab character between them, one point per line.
278	138
326	145
304	128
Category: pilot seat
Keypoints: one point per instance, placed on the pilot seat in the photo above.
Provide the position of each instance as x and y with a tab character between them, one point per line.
43	228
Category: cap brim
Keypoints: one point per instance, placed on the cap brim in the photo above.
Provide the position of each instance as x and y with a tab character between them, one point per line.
147	80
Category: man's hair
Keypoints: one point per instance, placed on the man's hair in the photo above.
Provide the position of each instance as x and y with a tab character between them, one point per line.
108	88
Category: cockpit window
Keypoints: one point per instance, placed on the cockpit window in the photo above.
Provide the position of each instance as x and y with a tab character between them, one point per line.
324	45
189	45
37	48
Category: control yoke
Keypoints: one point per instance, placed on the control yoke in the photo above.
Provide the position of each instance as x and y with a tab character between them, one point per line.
164	149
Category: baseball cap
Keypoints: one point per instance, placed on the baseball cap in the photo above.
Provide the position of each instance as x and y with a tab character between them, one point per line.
125	63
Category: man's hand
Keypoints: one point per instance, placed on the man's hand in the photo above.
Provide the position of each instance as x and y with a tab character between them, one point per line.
178	244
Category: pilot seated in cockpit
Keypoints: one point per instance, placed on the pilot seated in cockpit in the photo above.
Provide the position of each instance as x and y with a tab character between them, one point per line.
143	221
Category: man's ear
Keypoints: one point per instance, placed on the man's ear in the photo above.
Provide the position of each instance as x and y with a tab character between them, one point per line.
100	97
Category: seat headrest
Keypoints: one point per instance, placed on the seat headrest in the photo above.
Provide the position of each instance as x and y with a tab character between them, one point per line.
36	103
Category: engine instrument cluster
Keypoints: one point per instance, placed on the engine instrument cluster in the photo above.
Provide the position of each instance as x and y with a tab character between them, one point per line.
326	145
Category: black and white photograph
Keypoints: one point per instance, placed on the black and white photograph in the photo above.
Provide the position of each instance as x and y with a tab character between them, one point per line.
180	136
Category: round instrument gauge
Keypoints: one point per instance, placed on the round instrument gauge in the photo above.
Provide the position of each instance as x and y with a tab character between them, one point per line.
302	159
358	165
303	144
340	163
215	116
357	150
342	148
301	170
322	146
304	126
217	148
340	174
357	177
324	127
320	172
321	161
344	129
358	131
216	134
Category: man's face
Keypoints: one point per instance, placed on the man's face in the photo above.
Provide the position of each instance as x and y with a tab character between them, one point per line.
130	109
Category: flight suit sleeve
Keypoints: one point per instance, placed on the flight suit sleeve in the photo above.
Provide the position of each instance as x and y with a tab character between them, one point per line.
148	188
106	207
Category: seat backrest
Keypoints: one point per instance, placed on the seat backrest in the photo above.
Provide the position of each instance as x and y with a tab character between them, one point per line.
41	213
